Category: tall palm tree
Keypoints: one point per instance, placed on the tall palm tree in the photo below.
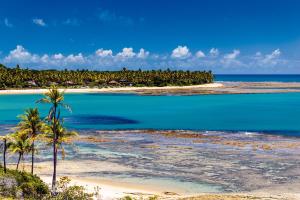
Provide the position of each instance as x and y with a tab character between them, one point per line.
21	144
6	144
63	136
31	124
56	99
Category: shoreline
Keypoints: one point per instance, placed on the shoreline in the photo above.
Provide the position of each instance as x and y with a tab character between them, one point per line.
109	90
205	89
112	190
232	154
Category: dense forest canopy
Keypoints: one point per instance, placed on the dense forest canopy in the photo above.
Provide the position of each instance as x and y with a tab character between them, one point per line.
28	78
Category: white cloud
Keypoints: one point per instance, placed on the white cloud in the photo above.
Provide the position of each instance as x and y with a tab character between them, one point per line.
58	56
181	52
126	53
7	23
233	55
20	54
45	58
103	59
200	54
214	52
272	58
104	53
39	22
75	58
143	53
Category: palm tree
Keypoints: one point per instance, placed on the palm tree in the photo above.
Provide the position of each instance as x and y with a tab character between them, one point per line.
31	124
21	144
6	144
63	136
56	99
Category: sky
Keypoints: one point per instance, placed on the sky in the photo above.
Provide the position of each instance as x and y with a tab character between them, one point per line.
225	36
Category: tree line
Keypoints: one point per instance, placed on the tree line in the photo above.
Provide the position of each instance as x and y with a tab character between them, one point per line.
29	78
32	127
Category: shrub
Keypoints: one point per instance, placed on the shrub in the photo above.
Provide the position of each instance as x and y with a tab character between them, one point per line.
21	184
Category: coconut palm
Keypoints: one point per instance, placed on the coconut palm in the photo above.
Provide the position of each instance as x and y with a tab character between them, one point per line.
6	144
20	144
56	99
32	125
63	136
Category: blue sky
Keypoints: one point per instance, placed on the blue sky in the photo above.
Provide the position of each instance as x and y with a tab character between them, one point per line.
225	36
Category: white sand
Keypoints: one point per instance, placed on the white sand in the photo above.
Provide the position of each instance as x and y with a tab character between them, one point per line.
107	190
107	90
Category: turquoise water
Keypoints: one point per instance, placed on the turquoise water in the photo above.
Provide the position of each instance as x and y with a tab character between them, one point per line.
259	78
275	113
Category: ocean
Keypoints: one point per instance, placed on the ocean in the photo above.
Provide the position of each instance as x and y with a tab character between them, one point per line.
258	77
268	113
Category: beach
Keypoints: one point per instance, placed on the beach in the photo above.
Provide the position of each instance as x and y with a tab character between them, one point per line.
233	165
226	87
230	147
110	90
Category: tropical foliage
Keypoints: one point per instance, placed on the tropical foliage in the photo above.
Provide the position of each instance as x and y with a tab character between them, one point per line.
55	132
31	125
51	131
21	145
21	185
27	78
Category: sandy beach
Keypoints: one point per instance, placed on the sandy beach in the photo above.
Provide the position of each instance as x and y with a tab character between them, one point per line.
110	90
212	88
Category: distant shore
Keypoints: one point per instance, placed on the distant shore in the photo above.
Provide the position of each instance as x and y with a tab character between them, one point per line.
211	88
110	90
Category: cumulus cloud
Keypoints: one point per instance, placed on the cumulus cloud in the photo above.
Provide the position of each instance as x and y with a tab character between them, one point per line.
104	59
214	52
126	53
7	23
20	54
104	53
232	55
181	52
200	54
272	57
39	22
75	58
143	53
58	56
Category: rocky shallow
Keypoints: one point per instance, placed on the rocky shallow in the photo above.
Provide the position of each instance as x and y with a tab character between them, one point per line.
183	162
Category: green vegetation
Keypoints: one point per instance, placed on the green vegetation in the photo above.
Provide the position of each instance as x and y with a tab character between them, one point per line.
32	125
20	184
23	185
26	78
55	133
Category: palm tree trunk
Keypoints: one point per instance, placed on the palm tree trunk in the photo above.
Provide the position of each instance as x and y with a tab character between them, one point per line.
54	153
23	163
18	161
54	168
32	157
4	155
